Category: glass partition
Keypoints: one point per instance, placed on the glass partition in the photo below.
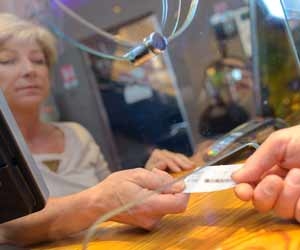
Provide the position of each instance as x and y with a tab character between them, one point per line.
130	111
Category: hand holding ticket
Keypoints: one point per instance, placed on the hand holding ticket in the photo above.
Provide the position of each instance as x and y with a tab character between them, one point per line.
211	178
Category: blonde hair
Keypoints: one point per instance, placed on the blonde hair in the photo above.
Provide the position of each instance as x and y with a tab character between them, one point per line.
12	26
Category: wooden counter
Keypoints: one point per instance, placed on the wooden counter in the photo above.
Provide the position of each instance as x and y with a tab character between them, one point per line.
212	221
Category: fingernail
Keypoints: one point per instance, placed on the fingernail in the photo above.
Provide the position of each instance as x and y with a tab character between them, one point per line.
176	169
189	165
236	175
178	186
269	189
155	170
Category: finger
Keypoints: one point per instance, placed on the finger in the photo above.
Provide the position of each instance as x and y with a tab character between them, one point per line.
167	203
180	160
297	211
175	186
276	170
173	166
267	192
151	180
287	201
244	191
149	213
154	158
165	154
269	154
185	163
156	155
161	165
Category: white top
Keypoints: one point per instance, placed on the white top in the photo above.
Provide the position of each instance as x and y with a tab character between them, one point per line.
80	166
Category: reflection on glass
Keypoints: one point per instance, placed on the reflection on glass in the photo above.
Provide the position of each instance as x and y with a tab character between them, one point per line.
227	96
143	104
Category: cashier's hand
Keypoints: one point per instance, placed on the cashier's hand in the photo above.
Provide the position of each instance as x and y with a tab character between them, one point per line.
167	160
271	176
134	184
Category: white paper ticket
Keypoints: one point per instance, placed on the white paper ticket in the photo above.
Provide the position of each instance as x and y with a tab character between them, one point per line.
211	178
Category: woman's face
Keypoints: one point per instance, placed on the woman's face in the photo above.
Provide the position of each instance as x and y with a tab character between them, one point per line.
24	74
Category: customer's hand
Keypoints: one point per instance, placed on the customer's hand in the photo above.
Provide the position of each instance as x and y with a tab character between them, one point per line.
271	176
128	185
167	160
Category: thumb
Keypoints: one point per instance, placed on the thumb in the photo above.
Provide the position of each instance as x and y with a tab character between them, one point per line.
173	185
155	179
271	152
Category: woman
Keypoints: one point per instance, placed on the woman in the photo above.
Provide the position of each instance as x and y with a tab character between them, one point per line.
66	154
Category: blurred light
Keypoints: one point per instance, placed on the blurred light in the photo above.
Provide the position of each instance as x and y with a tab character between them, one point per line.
236	74
117	9
275	8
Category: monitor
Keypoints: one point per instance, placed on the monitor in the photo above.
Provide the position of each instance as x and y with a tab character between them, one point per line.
292	14
22	189
275	61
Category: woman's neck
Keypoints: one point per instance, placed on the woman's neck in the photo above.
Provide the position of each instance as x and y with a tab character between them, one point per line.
29	123
40	137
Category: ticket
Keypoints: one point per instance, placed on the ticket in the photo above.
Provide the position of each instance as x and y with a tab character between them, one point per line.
211	178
